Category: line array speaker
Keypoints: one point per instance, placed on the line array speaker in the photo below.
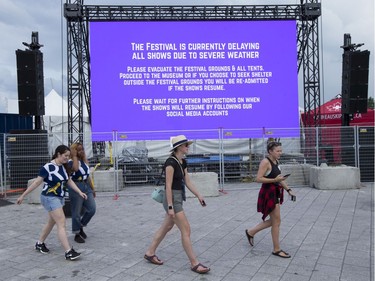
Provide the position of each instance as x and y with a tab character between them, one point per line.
355	81
30	82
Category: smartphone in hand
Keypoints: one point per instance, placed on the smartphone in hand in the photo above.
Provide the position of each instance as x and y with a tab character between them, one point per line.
203	203
287	175
293	198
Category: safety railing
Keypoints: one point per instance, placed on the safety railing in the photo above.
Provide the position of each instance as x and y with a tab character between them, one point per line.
124	159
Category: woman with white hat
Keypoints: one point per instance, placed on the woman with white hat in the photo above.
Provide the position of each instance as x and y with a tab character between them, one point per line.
176	177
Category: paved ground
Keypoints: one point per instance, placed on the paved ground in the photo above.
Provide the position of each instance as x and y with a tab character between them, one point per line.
328	233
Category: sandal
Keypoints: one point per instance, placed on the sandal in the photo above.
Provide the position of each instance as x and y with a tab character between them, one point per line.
250	238
153	259
202	271
278	253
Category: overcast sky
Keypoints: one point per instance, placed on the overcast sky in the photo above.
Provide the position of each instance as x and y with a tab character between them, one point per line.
19	18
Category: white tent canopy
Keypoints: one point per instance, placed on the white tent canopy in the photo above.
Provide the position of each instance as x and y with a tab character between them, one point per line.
55	105
56	122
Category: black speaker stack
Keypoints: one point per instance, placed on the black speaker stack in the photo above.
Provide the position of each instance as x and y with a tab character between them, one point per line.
30	82
355	81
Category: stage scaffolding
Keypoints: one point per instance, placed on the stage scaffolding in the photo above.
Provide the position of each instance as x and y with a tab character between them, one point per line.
79	15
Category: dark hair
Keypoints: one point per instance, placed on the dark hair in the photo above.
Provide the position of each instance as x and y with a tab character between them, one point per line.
74	147
61	149
271	145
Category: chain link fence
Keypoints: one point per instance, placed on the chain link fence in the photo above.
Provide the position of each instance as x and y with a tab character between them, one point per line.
119	163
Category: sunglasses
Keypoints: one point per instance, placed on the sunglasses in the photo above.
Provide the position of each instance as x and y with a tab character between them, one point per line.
273	144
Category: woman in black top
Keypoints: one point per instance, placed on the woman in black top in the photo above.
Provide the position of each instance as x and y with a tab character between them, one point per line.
271	195
176	177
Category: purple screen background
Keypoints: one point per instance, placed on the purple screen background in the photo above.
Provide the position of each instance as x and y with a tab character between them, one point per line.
120	104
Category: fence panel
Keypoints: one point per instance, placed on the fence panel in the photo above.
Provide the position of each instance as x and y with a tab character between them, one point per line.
366	153
125	160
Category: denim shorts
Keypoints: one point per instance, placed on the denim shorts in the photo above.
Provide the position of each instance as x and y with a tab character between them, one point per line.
51	203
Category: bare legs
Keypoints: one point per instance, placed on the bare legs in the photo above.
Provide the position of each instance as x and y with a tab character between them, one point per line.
274	223
56	217
47	228
183	225
275	227
166	226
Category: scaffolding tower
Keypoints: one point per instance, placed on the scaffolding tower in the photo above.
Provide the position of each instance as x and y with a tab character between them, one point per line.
79	15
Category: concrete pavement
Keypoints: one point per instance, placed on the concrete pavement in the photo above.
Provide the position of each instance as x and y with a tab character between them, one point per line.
328	233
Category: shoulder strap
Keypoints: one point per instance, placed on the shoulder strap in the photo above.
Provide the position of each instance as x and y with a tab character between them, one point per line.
160	177
182	170
272	164
269	160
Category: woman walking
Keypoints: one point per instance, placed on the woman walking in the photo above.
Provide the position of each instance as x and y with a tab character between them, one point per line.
271	196
54	175
176	177
82	210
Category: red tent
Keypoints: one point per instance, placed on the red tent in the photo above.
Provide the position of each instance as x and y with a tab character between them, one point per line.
330	115
330	138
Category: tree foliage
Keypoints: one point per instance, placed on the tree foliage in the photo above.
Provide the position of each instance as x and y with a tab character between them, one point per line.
370	103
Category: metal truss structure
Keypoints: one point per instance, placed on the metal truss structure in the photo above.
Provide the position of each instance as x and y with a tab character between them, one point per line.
79	15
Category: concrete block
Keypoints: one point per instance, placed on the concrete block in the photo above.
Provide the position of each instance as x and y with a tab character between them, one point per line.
206	182
106	180
299	173
337	177
34	196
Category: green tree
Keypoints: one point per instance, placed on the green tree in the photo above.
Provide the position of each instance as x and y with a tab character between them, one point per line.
370	103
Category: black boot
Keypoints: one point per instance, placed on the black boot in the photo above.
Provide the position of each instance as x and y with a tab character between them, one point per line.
82	233
79	239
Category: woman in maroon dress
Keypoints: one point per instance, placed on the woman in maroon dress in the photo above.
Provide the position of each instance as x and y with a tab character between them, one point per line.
271	195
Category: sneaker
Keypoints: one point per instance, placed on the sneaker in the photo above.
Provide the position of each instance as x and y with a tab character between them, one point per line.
72	255
79	239
82	233
41	247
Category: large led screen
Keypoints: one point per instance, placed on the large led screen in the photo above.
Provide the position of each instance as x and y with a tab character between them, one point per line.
193	75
